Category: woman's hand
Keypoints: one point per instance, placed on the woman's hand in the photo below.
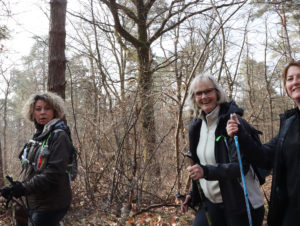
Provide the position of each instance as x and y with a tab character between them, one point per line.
232	125
184	206
196	172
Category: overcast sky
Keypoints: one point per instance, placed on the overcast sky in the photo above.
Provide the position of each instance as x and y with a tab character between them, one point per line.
29	18
27	21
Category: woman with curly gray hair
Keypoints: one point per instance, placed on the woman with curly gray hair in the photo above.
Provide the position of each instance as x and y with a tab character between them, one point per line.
215	173
44	181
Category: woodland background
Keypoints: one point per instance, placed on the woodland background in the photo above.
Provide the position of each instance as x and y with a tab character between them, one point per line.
124	72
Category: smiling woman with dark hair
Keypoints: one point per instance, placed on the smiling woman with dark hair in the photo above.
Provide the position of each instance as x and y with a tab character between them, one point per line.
45	182
219	191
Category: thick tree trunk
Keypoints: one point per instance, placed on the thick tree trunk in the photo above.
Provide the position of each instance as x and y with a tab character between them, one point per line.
146	106
57	36
146	98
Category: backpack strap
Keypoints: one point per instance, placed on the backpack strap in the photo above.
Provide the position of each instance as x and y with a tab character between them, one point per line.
72	165
45	142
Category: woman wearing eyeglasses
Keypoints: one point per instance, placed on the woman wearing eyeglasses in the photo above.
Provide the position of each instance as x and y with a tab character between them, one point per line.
281	153
216	166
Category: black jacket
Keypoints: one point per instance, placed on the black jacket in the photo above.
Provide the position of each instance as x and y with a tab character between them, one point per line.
48	187
227	168
270	155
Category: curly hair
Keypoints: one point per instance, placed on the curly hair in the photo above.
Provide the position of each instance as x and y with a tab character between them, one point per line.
221	96
53	100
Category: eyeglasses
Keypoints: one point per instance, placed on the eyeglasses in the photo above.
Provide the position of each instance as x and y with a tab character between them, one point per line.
206	92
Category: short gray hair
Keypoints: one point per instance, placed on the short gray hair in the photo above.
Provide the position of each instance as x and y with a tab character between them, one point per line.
221	96
52	99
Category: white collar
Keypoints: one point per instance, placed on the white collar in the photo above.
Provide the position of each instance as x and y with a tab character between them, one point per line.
212	116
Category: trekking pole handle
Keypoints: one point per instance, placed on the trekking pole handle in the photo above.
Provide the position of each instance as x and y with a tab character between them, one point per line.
231	118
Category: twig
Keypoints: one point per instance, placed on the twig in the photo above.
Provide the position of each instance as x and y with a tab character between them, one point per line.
153	207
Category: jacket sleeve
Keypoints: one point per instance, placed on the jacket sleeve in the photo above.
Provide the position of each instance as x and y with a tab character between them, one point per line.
260	155
54	173
229	169
223	171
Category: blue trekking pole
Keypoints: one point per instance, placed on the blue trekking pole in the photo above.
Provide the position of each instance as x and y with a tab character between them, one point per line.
243	177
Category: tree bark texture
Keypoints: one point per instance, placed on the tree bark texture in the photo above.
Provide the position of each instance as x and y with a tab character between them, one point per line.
57	36
1	167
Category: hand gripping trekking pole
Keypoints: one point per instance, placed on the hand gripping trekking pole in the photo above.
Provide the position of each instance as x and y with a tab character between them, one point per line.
22	205
243	177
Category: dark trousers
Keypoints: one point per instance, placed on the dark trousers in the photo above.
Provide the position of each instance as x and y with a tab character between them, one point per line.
291	217
46	218
218	218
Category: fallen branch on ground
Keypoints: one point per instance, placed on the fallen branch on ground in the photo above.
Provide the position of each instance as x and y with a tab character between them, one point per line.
154	206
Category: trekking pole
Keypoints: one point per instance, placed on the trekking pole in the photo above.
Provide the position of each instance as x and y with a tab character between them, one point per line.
22	205
208	218
243	177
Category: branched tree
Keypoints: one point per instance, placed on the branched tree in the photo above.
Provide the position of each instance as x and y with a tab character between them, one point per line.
151	19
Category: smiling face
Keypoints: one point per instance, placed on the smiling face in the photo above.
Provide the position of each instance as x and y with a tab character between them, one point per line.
42	112
205	96
292	84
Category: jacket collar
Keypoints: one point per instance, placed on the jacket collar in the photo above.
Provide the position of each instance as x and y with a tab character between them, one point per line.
212	116
47	129
290	113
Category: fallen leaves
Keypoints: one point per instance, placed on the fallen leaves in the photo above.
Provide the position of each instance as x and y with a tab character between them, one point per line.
165	216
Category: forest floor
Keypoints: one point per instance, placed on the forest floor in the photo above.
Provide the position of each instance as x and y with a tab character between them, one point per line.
88	214
162	216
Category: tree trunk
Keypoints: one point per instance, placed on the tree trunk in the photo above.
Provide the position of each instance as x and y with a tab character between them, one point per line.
286	39
4	148
146	106
4	159
1	167
57	36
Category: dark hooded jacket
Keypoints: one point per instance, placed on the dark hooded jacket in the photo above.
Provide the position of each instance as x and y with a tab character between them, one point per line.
282	155
43	173
226	171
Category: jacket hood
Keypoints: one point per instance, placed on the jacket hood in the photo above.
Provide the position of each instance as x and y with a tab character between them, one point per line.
228	108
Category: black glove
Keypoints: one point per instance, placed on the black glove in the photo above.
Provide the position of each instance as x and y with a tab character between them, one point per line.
18	189
6	192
